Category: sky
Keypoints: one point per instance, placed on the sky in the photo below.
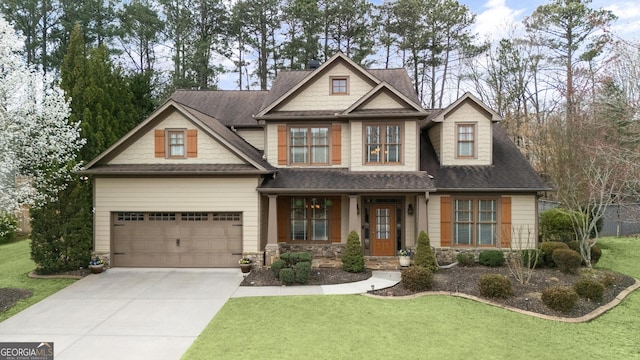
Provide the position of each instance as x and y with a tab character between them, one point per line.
494	16
496	19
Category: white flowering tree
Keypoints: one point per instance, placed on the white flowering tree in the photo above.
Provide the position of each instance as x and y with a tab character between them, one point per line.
38	145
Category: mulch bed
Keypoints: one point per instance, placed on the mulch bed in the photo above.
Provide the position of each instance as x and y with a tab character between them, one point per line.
10	296
465	280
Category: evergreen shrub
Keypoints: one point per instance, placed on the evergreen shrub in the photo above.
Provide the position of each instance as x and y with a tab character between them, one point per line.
567	260
465	259
546	252
560	298
353	257
589	288
493	258
495	286
417	278
424	253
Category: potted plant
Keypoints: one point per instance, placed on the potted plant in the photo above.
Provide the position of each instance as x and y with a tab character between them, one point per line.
245	264
96	265
404	255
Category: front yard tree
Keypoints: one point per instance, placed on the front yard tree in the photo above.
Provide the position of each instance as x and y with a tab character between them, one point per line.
573	32
38	144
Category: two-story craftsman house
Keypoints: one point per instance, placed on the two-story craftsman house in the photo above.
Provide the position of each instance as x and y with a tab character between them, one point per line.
214	175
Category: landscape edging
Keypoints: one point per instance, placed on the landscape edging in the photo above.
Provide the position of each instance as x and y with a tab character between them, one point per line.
585	318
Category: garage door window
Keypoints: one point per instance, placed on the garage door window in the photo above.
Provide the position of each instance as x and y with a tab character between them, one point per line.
130	216
221	216
195	216
162	216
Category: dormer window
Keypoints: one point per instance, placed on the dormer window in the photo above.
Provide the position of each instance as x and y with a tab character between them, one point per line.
466	134
176	143
339	85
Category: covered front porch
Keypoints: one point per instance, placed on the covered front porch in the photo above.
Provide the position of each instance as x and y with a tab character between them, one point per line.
314	211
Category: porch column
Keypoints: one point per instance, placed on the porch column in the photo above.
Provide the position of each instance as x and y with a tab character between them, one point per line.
272	250
354	218
421	211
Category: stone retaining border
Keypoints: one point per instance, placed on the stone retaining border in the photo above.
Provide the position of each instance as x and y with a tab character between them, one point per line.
586	318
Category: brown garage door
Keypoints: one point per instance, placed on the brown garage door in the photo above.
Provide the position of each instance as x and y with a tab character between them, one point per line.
174	239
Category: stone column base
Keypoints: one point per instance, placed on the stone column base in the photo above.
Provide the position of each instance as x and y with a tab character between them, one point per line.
271	253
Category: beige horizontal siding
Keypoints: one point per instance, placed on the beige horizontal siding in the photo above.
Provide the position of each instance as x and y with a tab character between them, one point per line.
433	219
383	101
209	150
176	194
409	155
523	221
255	137
466	114
317	95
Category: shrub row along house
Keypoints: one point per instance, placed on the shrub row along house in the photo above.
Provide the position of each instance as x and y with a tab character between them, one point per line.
212	176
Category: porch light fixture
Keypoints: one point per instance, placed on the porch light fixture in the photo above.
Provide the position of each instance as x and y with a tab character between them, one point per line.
410	209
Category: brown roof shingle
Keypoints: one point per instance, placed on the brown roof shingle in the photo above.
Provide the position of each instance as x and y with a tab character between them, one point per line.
342	180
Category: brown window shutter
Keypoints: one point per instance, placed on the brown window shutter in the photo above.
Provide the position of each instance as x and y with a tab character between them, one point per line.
336	220
284	212
159	136
445	221
336	144
192	143
282	144
505	210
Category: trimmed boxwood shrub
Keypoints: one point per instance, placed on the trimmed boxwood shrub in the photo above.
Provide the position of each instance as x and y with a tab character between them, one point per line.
278	265
567	260
492	258
465	259
424	254
560	298
417	278
287	276
353	258
495	286
546	252
303	272
589	288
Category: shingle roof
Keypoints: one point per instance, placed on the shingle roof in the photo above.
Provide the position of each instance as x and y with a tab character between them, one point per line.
510	170
286	80
233	138
342	180
172	169
231	107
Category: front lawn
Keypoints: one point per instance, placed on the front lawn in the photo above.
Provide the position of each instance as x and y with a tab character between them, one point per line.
358	327
15	264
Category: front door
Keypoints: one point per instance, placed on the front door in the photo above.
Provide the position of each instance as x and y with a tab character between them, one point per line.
383	233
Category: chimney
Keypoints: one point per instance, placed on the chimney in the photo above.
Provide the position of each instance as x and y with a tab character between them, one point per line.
313	64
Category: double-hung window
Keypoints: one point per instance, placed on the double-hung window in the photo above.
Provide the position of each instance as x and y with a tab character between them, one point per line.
309	145
383	144
475	222
309	219
176	142
466	140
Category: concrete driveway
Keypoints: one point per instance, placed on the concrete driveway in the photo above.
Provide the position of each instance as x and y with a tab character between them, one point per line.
126	313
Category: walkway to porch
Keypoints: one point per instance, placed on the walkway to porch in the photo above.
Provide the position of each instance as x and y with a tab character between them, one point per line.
371	262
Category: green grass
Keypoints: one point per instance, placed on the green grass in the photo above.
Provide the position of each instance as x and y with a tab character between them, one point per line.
15	264
435	327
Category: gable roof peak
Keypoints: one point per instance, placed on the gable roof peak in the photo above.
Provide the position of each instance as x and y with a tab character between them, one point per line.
467	96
